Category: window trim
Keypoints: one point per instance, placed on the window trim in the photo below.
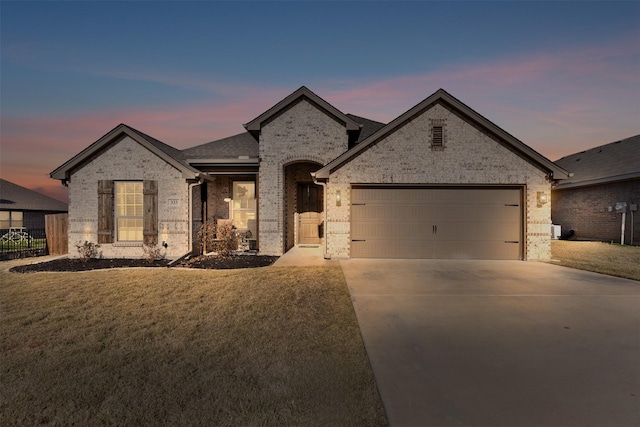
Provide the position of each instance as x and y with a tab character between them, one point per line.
117	217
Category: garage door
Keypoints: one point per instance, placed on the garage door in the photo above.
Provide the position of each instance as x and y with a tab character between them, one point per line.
459	223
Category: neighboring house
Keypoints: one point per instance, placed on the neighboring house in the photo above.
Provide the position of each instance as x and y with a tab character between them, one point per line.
439	181
24	208
603	177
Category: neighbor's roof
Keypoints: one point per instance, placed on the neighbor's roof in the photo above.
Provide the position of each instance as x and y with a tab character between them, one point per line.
442	96
17	198
616	161
169	154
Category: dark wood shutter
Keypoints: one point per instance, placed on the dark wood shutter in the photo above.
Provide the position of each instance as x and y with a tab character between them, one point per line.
105	211
150	204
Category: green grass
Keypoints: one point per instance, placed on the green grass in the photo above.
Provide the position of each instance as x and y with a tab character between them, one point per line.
606	258
256	347
16	246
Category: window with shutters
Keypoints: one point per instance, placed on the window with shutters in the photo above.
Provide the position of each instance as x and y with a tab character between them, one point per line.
129	214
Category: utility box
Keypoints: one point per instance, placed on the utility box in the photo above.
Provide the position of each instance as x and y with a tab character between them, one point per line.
556	231
621	207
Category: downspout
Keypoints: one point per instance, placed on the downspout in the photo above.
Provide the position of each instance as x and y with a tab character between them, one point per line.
190	220
200	179
325	250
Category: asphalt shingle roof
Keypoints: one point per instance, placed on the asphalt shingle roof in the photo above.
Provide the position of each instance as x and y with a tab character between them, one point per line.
227	148
15	197
369	127
610	162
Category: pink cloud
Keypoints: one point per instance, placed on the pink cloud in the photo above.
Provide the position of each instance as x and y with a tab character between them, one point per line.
556	102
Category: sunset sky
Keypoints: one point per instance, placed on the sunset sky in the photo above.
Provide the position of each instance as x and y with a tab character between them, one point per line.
560	76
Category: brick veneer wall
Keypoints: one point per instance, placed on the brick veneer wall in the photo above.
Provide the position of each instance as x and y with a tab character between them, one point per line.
586	211
300	133
469	157
128	160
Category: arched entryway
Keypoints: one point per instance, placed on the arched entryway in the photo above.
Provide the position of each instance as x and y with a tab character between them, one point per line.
303	205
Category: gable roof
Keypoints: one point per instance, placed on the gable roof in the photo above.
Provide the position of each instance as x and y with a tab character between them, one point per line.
256	124
18	198
169	154
616	161
442	96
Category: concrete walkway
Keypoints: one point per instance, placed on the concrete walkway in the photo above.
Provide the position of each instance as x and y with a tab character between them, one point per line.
304	255
499	343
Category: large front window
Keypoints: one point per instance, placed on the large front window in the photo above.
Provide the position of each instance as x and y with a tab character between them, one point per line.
129	212
244	205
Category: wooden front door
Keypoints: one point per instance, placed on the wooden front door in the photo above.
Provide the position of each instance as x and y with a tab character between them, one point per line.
309	213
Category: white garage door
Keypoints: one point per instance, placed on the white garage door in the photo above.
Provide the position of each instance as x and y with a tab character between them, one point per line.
459	223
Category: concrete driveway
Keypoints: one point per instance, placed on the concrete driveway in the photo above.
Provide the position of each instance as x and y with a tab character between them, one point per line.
499	343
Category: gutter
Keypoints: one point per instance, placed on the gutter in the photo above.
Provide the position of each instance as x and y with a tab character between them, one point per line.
325	250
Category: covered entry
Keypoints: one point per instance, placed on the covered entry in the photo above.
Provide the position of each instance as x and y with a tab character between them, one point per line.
304	203
451	222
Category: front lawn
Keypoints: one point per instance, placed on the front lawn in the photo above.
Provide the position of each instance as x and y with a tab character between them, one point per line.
606	258
268	346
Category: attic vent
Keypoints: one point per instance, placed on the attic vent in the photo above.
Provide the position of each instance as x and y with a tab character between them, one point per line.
438	134
7	202
437	138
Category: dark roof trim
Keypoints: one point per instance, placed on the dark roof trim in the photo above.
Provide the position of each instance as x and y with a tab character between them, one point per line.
443	96
599	181
162	150
256	124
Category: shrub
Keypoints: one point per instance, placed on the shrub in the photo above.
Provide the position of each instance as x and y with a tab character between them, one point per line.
88	250
220	237
152	253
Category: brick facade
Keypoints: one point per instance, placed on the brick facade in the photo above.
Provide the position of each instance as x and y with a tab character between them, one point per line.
469	157
586	211
126	160
301	133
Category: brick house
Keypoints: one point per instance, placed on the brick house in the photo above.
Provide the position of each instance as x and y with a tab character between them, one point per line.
439	181
602	178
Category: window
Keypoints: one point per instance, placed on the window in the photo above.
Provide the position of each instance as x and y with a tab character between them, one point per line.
10	219
244	205
129	211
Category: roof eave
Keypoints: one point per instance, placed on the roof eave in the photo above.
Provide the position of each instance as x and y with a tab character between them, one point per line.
598	181
63	172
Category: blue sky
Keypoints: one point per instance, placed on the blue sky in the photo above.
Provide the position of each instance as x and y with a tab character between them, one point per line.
560	76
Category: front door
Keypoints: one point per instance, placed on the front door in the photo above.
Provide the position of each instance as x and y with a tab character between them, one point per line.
309	213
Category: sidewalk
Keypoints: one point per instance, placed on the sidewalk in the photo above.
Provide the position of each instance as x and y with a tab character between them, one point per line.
304	255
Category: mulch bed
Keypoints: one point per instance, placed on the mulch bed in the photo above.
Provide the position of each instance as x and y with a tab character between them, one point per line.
207	262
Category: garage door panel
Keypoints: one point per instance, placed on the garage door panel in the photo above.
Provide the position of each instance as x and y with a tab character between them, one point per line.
436	223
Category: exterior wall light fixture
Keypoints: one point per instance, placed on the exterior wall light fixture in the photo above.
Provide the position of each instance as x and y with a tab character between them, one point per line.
542	198
338	198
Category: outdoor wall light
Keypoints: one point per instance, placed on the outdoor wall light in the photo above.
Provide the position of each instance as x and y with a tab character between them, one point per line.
338	198
542	198
226	199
